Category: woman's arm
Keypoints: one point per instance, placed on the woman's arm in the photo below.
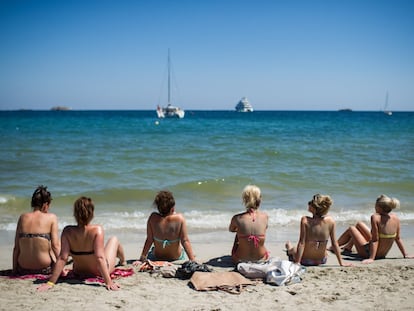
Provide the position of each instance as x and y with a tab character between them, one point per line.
233	224
185	241
55	241
302	240
60	263
374	239
335	245
16	249
400	243
148	241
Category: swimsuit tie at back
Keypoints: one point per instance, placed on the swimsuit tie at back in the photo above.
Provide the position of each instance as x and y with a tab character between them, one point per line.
255	240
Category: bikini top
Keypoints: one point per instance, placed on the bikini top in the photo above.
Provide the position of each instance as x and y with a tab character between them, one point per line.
35	235
166	242
387	236
253	237
82	253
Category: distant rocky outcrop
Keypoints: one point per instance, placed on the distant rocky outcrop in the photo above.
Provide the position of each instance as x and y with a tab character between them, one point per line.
59	108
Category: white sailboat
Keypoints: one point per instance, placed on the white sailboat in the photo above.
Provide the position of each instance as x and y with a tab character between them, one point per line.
169	111
386	111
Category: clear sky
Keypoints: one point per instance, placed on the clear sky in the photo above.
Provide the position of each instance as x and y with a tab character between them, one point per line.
281	55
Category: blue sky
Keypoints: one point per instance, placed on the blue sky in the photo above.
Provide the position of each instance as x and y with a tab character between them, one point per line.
282	55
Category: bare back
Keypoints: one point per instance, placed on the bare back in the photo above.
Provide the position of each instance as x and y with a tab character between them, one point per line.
315	234
167	233
386	229
84	244
36	242
250	235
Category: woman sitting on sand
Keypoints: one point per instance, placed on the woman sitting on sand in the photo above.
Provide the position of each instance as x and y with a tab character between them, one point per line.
166	231
85	243
250	227
385	229
36	245
314	235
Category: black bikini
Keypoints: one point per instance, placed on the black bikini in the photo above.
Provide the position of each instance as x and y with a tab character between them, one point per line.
82	253
35	235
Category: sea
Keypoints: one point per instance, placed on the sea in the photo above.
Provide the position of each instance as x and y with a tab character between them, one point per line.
121	159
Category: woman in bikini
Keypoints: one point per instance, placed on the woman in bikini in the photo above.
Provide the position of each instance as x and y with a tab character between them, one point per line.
385	229
166	232
36	245
250	227
85	243
314	235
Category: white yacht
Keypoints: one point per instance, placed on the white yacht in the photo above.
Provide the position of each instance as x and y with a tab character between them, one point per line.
244	106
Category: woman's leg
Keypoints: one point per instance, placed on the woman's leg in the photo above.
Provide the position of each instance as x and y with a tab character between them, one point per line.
360	237
365	231
113	250
345	238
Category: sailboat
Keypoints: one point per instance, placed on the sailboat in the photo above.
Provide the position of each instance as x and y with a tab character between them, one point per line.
386	111
169	111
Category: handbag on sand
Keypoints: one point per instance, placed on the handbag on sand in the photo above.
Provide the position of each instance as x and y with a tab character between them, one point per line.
274	271
229	281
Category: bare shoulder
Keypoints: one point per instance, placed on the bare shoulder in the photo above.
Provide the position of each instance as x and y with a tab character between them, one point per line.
52	216
177	217
304	219
69	230
394	217
329	219
97	229
376	217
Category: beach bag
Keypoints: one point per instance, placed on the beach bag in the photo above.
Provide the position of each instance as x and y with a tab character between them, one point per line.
253	270
229	281
273	271
284	272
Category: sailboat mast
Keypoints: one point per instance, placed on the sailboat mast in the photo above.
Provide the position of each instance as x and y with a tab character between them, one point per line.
386	101
169	77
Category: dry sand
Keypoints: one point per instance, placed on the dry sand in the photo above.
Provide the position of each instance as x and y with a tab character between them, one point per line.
384	285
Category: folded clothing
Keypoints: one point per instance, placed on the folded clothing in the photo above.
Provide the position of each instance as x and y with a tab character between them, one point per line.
189	267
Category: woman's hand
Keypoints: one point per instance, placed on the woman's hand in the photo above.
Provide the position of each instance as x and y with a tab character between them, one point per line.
45	287
113	286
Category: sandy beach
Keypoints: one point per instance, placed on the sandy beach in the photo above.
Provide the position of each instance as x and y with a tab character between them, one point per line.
384	285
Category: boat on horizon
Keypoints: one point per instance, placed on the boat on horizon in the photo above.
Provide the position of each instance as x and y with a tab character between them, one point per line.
244	106
385	110
169	111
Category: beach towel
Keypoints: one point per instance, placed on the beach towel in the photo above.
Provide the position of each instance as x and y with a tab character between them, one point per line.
151	265
116	274
9	274
229	281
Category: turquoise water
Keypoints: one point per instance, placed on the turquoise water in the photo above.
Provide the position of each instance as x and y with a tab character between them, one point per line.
122	158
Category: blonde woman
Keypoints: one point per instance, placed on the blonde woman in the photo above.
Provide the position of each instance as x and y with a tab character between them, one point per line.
36	244
250	227
314	235
85	243
385	229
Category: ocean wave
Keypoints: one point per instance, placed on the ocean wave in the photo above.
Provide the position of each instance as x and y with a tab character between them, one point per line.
203	221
